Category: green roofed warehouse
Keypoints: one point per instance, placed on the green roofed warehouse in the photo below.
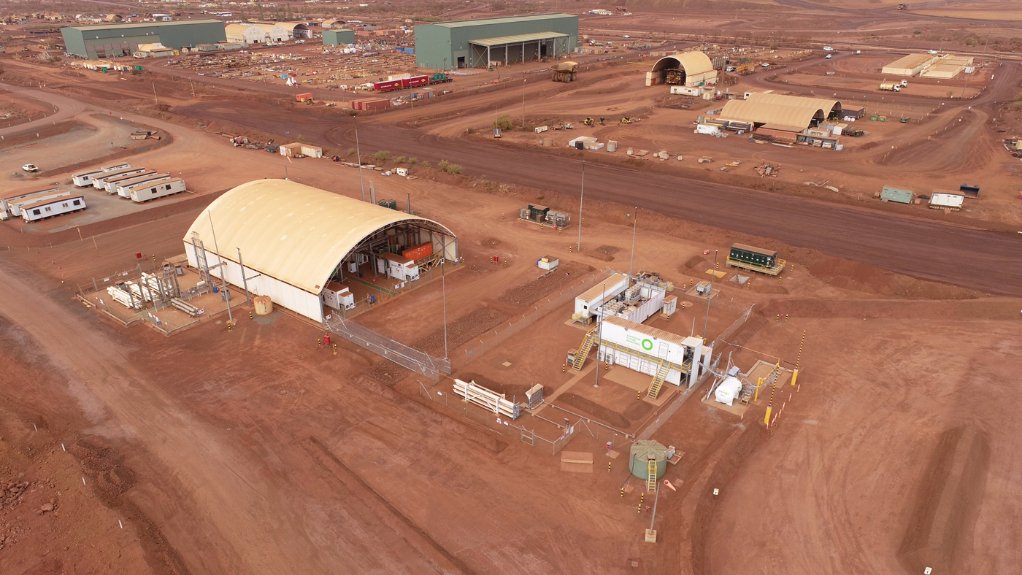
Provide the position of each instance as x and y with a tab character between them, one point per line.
113	40
501	41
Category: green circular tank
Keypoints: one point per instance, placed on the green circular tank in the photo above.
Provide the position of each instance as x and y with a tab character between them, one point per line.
641	452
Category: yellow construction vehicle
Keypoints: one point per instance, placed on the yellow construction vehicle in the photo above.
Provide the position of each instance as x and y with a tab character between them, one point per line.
588	122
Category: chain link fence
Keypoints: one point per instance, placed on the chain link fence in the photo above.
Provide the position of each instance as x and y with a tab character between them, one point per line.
388	348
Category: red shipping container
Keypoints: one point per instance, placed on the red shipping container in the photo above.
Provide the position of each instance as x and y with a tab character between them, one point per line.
387	86
418	252
375	105
415	81
303	97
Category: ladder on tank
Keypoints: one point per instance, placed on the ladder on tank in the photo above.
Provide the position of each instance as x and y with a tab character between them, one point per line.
651	474
583	350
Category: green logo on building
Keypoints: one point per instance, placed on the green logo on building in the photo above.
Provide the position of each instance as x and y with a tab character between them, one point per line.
647	345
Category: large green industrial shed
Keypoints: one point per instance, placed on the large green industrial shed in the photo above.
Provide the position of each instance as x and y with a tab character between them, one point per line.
478	43
111	40
338	37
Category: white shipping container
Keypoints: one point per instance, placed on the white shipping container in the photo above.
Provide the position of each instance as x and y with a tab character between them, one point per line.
158	189
312	151
707	129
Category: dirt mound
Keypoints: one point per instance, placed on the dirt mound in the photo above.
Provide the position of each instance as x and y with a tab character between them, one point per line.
698	263
866	278
547	284
461	330
737	450
948	501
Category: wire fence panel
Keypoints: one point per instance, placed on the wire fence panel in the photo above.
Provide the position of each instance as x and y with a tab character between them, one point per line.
389	348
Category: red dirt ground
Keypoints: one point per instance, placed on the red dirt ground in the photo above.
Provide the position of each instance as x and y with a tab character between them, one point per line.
256	451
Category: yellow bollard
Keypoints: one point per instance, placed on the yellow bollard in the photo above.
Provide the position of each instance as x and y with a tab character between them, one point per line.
794	377
622	492
609	465
638	395
766	418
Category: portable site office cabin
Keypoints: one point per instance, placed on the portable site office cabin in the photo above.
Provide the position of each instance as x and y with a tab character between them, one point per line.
84	179
123	186
151	190
14	197
52	207
19	205
99	182
110	184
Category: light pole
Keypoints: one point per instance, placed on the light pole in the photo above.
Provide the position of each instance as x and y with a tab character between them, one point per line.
220	264
443	288
599	336
709	296
581	198
358	156
635	223
523	100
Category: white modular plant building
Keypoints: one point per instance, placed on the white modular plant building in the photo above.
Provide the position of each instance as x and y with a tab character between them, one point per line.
289	241
645	349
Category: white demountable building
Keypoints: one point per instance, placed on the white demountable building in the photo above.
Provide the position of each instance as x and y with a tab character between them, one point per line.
54	206
647	349
728	391
288	241
950	201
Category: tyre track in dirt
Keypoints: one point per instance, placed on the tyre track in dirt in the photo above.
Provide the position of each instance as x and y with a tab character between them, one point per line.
196	471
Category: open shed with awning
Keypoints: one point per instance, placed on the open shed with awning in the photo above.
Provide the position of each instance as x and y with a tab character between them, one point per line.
515	49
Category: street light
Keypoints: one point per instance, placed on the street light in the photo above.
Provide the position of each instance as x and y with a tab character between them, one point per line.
581	197
358	156
709	296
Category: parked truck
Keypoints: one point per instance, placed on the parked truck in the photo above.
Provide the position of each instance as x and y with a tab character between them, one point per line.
402	83
440	78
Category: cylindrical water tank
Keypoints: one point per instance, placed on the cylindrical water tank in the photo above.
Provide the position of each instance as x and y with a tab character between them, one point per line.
611	145
641	452
263	305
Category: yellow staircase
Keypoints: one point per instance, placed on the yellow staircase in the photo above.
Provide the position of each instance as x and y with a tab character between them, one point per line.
658	379
651	474
584	349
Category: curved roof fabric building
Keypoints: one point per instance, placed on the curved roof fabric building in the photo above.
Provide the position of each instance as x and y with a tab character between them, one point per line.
695	67
293	239
780	112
